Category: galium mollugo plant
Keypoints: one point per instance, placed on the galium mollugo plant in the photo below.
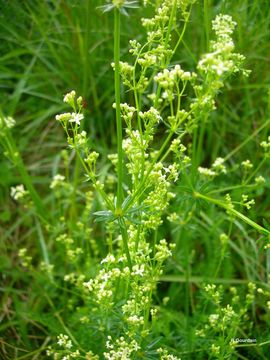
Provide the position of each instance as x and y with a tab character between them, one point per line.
118	303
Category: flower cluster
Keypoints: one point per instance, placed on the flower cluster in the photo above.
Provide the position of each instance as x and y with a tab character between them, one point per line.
217	65
266	146
70	117
120	349
18	192
64	341
25	259
216	169
76	116
246	202
57	181
164	355
66	353
222	60
169	80
247	165
6	122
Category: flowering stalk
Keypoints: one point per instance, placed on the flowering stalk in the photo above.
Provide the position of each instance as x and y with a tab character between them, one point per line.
119	134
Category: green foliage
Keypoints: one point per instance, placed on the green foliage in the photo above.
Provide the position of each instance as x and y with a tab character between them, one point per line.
140	231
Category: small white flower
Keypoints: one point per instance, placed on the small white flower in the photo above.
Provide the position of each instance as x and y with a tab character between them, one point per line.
108	259
18	192
57	181
106	277
77	118
138	270
8	122
60	342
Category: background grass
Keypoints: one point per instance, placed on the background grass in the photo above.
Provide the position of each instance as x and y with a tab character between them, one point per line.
49	48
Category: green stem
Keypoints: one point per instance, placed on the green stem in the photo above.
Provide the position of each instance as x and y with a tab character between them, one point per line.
229	188
124	234
234	212
181	35
194	153
266	123
73	208
199	149
172	17
118	112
